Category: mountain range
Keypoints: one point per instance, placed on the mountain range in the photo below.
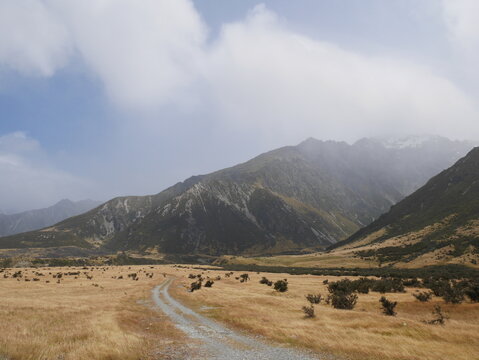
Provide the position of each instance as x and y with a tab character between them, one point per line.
36	219
291	199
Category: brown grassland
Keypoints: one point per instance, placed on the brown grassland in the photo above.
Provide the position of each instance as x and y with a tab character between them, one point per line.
109	318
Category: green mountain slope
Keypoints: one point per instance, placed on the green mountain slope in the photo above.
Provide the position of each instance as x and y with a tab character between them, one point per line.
438	222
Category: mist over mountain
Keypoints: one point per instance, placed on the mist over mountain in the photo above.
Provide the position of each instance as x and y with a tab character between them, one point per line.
293	198
437	223
36	219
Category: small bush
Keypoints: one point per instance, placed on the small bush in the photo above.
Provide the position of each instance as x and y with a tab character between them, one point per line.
344	301
314	299
424	296
309	311
439	317
281	285
244	277
266	281
209	283
195	285
388	306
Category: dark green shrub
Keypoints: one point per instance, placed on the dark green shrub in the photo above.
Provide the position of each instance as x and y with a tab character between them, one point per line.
281	285
195	285
314	299
266	281
388	306
345	301
424	296
387	285
439	317
244	277
209	283
309	311
453	293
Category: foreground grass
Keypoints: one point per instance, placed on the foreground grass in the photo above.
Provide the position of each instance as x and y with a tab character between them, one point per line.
363	333
98	318
108	318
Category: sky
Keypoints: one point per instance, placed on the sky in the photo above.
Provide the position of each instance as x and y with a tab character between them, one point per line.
101	98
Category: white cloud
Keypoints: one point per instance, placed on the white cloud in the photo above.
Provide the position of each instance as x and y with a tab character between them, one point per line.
32	41
144	52
28	180
267	78
257	75
461	19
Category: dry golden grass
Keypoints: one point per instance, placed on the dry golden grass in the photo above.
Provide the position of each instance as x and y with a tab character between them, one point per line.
76	319
362	333
114	320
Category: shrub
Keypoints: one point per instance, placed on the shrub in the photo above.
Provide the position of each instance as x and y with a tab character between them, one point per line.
281	285
345	301
414	282
191	276
424	296
209	283
266	281
388	306
386	285
314	299
309	311
439	317
438	287
244	277
325	282
195	285
453	293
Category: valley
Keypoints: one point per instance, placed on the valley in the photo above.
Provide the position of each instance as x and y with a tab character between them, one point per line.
101	312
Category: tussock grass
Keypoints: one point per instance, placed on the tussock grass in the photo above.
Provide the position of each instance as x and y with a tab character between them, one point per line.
76	320
362	333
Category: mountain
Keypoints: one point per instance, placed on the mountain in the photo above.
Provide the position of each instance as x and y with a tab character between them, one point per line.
37	219
300	197
437	223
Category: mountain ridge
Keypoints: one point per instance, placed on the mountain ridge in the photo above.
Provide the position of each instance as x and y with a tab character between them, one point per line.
293	198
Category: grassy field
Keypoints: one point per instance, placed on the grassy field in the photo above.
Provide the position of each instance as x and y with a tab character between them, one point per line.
104	317
79	318
362	333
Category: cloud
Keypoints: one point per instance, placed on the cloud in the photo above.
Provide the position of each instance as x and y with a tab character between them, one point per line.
461	19
28	180
33	41
266	78
256	76
143	52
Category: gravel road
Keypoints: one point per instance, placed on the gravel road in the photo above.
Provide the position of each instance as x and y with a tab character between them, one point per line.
210	340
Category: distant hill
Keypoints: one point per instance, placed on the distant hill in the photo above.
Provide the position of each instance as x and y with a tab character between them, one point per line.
40	218
439	223
294	198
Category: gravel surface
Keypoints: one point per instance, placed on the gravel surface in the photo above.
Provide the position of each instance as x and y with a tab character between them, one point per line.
211	340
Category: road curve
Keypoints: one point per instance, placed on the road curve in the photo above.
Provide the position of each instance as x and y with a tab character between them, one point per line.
214	341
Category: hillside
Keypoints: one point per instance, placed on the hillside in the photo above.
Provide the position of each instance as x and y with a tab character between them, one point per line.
439	223
288	200
40	218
